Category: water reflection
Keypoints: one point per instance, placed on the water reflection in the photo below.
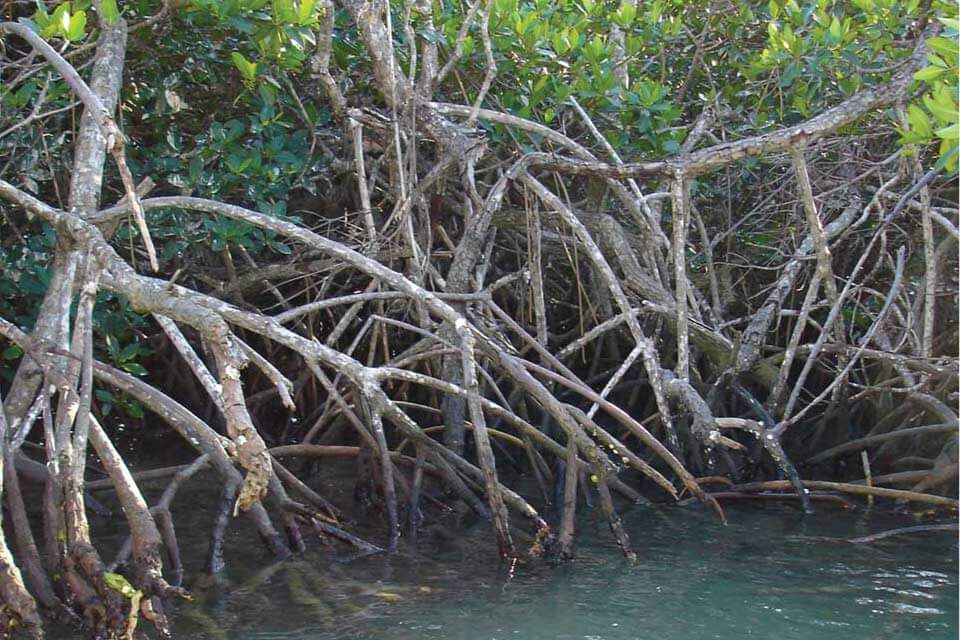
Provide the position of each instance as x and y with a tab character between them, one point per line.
769	573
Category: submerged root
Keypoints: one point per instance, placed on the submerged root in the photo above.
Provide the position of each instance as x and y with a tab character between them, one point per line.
18	610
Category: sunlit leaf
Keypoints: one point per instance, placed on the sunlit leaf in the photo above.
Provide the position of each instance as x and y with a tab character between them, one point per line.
109	10
928	73
76	27
919	122
305	13
120	584
247	69
951	132
947	47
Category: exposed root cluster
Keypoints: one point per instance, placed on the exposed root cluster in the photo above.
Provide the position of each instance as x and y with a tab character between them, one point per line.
529	326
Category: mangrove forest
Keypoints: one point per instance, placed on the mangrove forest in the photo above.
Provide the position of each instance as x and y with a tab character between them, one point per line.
500	264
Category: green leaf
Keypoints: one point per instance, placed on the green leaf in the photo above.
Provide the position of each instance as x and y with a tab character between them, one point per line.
942	112
789	37
120	584
110	11
196	166
919	122
77	27
949	154
236	164
836	30
305	12
129	352
283	12
247	69
773	31
52	26
625	14
951	132
267	93
134	409
595	49
928	73
950	23
134	368
936	60
61	16
790	74
12	352
944	46
560	42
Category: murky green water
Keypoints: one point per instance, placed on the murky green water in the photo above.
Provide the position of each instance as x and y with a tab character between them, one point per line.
761	576
767	574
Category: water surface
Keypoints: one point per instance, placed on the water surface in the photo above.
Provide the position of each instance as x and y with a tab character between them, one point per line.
767	574
770	573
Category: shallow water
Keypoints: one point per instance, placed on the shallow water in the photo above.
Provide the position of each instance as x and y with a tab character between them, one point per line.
767	574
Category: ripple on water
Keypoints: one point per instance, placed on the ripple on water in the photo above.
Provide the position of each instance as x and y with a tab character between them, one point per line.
903	607
911	593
